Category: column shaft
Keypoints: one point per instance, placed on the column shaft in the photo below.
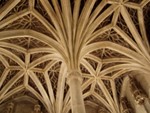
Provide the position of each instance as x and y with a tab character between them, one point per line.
77	103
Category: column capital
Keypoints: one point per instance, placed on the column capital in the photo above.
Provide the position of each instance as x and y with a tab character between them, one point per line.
74	74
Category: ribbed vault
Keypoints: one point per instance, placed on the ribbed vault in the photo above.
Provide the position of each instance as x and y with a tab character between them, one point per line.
41	40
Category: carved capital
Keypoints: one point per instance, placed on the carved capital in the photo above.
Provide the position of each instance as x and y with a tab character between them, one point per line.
74	75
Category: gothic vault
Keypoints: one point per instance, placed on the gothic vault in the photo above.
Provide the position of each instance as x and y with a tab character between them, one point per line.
75	56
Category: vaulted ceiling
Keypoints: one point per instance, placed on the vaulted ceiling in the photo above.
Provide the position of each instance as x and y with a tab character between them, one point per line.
41	40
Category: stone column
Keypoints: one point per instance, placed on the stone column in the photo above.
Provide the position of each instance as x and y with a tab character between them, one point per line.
140	109
147	104
74	81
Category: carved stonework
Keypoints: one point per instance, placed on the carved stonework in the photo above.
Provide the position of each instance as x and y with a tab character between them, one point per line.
137	91
126	108
99	41
37	109
10	107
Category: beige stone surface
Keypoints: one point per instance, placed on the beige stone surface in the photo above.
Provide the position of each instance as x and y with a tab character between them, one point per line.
106	41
